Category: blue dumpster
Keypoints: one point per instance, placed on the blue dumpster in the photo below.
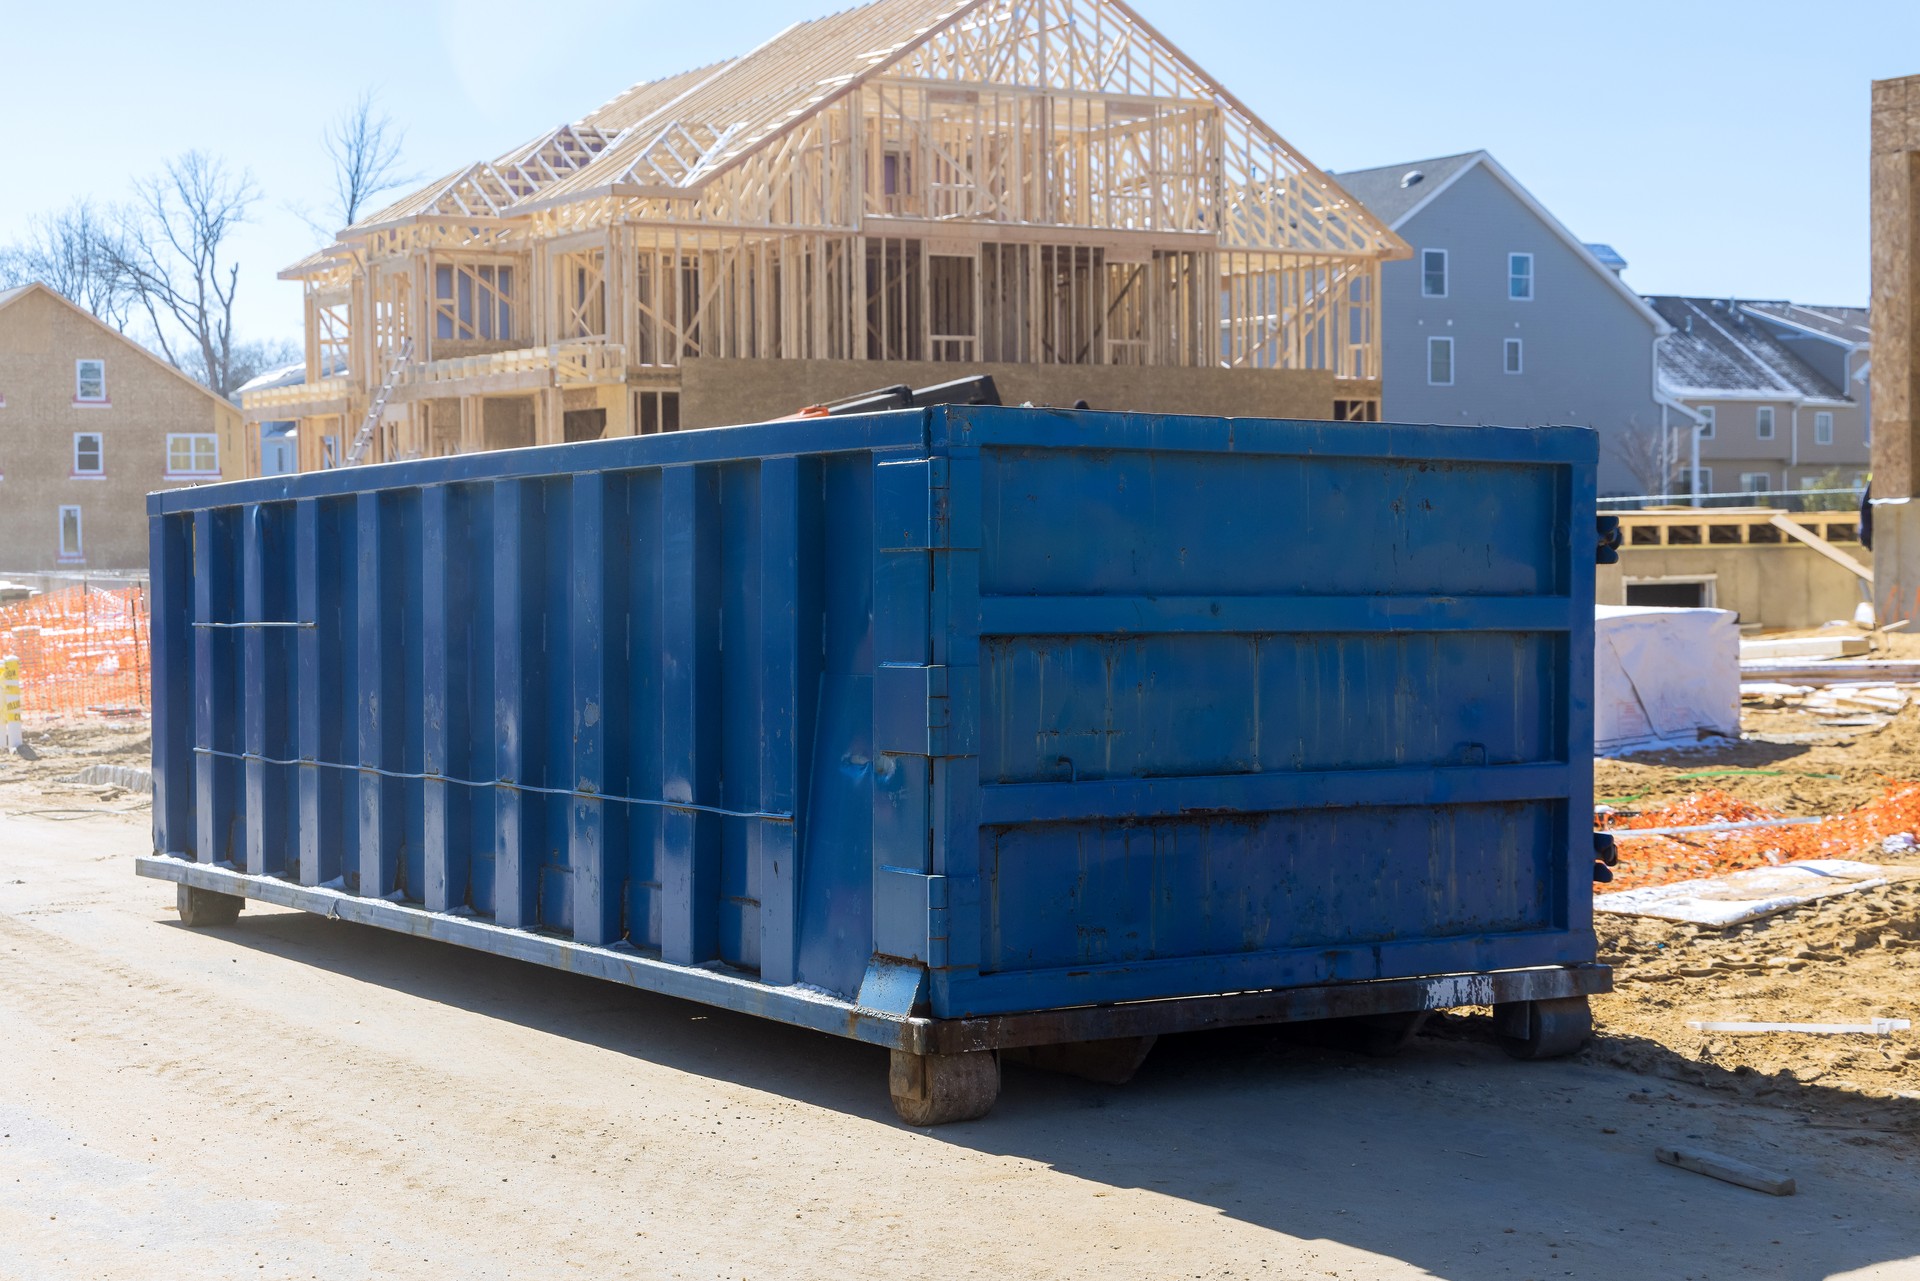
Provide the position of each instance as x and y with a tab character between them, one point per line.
961	731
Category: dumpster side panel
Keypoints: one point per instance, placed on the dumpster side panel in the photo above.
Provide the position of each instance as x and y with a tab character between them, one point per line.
618	694
1264	704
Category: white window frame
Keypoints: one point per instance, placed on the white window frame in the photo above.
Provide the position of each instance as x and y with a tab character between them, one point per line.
1748	487
79	552
1701	479
1514	260
1763	422
80	382
1513	356
1446	273
1432	346
1710	420
193	473
99	454
1823	427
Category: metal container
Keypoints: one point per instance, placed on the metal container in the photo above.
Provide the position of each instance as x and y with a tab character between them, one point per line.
957	731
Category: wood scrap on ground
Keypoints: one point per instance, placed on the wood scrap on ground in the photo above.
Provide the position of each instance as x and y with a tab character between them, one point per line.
1727	1170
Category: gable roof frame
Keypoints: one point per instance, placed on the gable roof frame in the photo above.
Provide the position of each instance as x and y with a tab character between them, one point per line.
663	123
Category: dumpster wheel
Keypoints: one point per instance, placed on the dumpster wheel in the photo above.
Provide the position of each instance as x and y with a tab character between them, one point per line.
200	909
1545	1029
937	1089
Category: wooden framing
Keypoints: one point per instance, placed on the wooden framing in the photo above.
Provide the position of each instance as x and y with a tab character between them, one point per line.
1743	526
956	181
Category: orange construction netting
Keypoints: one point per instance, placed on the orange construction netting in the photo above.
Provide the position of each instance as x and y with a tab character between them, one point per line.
83	651
1661	860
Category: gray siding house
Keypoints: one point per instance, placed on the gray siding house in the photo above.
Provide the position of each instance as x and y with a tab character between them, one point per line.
1504	317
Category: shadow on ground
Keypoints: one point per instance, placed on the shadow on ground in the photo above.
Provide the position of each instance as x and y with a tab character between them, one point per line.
1450	1157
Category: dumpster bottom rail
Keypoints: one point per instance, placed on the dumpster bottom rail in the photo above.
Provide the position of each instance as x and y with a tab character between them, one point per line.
803	1007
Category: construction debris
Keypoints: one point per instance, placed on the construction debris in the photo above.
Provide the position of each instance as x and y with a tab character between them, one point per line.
1805	647
1726	1169
1839	705
1747	896
1876	1027
1836	671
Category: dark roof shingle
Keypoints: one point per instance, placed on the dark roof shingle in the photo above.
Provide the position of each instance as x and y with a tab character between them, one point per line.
1716	347
1392	191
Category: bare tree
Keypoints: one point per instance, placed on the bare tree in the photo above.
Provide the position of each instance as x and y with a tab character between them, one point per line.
72	253
249	361
171	250
364	145
1651	453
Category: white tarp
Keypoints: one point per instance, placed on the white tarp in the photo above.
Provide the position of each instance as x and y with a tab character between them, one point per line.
1750	895
1664	677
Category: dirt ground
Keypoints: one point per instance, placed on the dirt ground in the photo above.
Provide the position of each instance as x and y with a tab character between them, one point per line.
38	782
1795	763
1847	959
300	1098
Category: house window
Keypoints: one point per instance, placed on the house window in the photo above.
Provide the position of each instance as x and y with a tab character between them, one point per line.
1708	416
1433	273
1702	481
1763	421
192	454
1513	364
1520	277
89	454
90	382
1823	428
1755	482
657	411
473	302
1440	362
71	548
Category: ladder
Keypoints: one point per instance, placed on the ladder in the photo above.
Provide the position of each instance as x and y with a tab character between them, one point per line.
378	408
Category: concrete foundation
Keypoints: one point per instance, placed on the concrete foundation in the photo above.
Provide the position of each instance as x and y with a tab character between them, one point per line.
1774	586
1896	558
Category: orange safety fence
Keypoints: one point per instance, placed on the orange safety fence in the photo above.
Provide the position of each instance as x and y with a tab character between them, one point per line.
84	651
1662	860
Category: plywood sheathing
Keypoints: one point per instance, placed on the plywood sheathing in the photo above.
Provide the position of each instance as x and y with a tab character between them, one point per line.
1896	288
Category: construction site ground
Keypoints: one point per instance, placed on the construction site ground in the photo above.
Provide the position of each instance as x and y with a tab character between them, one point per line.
302	1098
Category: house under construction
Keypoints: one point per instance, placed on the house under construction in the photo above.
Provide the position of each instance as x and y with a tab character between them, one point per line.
905	192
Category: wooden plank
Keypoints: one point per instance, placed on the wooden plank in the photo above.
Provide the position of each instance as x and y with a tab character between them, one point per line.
1726	1169
1794	529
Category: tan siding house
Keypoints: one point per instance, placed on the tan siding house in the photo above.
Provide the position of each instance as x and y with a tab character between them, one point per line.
1778	387
90	423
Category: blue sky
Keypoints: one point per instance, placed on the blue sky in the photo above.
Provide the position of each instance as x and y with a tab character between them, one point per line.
1720	146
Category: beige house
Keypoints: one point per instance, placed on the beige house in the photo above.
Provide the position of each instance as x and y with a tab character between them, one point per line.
907	192
90	423
1781	388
